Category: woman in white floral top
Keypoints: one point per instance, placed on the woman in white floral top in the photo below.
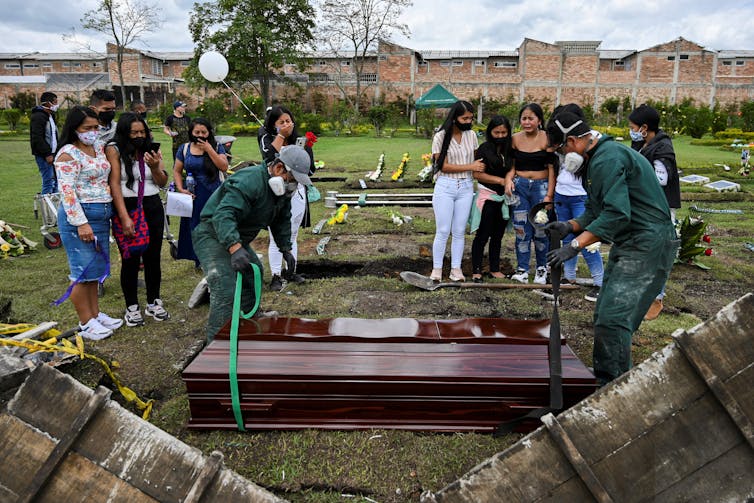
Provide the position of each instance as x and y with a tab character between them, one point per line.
84	217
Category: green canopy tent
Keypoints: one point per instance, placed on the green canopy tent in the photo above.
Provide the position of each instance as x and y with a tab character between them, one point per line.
437	97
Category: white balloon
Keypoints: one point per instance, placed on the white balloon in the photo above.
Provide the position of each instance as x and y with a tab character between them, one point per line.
213	66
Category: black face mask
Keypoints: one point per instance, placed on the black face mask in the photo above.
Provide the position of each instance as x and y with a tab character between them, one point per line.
140	144
105	118
193	139
500	141
463	126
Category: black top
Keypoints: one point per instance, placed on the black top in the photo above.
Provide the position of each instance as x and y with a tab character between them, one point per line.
533	161
661	149
495	164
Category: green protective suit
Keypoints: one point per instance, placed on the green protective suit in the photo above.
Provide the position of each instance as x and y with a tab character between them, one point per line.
626	207
242	206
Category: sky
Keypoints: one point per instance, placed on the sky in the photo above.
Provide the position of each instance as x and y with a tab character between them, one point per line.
39	25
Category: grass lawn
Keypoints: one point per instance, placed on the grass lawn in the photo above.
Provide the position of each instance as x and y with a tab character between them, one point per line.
320	466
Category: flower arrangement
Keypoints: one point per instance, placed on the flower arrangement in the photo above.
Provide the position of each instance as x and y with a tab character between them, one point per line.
339	216
311	139
12	242
426	172
401	170
694	242
377	173
399	218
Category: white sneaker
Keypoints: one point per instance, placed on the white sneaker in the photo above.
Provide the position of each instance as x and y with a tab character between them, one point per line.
156	311
540	277
109	322
436	275
133	316
93	330
521	276
457	275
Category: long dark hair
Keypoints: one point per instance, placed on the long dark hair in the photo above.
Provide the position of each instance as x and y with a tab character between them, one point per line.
73	120
459	108
273	114
209	166
536	109
505	148
122	139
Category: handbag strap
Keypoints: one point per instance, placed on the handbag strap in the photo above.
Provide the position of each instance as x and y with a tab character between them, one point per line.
142	176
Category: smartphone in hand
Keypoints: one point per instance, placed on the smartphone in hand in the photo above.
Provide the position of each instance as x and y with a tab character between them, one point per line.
154	147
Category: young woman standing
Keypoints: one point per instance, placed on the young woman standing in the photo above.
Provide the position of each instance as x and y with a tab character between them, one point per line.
453	148
84	217
134	164
493	183
534	183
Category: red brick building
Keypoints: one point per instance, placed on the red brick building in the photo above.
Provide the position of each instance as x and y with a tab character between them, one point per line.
550	73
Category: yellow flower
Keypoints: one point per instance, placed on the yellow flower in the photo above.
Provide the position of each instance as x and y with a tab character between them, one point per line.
5	247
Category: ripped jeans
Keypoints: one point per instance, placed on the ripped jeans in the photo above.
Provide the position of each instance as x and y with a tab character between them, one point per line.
531	192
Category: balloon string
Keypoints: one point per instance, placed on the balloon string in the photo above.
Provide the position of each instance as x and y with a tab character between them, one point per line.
244	104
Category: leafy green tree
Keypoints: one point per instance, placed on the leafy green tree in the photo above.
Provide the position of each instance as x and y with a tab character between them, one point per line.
747	116
214	109
719	119
12	116
378	116
257	38
697	121
23	101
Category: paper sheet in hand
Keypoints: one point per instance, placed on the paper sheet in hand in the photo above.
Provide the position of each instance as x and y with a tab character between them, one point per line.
179	204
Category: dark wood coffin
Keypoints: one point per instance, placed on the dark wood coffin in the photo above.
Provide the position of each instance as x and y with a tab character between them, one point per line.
346	373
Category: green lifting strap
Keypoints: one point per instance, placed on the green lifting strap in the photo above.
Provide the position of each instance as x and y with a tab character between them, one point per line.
234	320
362	199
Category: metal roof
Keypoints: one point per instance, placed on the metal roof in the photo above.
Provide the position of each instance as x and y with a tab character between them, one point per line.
53	56
22	79
467	54
735	54
169	56
616	53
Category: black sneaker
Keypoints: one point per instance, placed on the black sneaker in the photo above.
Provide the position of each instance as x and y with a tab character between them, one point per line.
296	278
593	294
276	284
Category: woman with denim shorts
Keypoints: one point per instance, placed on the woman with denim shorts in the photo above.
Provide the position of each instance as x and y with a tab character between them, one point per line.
453	148
84	217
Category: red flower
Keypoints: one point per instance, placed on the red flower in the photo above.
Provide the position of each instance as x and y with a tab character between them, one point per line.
311	139
708	251
707	239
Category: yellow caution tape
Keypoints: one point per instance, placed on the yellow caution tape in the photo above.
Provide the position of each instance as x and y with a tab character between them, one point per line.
6	328
52	345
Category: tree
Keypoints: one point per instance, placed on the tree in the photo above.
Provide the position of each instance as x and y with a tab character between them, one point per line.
257	37
351	28
126	21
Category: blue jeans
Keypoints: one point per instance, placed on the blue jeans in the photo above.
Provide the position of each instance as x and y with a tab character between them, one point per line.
566	208
47	170
451	202
531	193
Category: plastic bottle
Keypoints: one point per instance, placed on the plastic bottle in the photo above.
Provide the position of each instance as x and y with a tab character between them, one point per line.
190	183
171	187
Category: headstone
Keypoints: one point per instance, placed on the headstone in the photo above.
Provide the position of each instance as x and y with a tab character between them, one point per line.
723	186
699	179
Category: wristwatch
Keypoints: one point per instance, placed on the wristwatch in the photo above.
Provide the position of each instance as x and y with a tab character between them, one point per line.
575	245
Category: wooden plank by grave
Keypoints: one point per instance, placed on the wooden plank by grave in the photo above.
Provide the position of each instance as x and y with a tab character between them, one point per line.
117	456
346	373
658	433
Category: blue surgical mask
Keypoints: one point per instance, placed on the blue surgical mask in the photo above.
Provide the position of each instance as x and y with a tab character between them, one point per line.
635	135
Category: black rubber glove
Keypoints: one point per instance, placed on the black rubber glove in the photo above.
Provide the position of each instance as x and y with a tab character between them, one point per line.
556	258
239	260
290	263
559	229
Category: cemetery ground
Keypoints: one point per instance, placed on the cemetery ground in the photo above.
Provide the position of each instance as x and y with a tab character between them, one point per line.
357	276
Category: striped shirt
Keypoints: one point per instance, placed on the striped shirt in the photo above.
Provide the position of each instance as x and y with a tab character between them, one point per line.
458	153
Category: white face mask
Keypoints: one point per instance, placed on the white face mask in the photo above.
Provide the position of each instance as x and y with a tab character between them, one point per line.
636	135
277	185
53	108
572	162
88	137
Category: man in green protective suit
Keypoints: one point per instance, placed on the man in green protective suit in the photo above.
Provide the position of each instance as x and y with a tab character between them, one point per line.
253	199
626	207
